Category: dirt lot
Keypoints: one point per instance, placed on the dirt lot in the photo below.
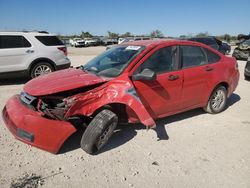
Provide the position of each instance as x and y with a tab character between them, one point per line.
195	149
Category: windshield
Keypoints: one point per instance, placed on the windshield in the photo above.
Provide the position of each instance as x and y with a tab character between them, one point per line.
112	62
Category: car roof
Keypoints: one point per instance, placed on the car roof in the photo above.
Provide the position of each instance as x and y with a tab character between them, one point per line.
153	43
27	33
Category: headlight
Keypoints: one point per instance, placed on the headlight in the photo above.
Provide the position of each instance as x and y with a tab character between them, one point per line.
26	98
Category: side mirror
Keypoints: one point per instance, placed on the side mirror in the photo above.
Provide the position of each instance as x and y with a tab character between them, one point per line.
146	74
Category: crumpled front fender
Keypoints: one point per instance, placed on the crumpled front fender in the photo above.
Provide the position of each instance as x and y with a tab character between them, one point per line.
28	126
121	91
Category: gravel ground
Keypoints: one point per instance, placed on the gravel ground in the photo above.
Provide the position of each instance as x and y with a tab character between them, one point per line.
195	149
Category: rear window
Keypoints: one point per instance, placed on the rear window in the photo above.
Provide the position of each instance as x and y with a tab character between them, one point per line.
192	56
211	56
50	40
13	41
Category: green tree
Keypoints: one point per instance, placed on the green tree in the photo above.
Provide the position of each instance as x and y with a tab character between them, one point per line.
202	34
112	35
156	34
127	34
86	35
227	37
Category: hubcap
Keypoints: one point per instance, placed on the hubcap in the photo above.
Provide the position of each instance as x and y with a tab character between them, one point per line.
41	70
105	135
218	100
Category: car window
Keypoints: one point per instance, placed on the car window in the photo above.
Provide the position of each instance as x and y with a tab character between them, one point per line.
211	56
112	62
50	40
163	60
192	56
12	41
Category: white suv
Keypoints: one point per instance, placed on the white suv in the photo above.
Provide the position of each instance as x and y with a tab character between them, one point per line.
77	42
31	54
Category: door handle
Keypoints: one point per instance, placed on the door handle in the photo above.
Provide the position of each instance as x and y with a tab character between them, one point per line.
209	69
173	77
29	51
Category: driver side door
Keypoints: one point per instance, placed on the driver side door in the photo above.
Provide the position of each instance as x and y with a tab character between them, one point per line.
161	96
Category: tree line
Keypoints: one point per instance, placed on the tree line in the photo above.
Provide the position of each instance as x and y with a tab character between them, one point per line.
159	34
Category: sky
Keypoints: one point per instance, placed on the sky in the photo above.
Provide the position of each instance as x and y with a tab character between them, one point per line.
172	17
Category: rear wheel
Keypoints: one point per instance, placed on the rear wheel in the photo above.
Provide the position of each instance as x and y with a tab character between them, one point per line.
41	68
99	131
217	101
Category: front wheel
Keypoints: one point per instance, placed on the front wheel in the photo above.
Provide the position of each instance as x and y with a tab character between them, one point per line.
41	68
247	78
217	101
99	131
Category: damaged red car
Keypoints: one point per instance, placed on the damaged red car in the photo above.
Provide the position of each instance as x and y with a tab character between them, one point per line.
139	81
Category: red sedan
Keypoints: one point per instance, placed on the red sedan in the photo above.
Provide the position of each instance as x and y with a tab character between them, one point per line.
134	82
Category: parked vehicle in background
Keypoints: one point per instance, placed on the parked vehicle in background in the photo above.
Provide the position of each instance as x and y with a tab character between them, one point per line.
225	48
65	41
213	42
90	41
77	42
242	52
31	54
247	70
242	38
138	81
128	39
105	41
141	38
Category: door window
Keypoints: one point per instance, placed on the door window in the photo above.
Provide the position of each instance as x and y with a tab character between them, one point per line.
163	60
11	41
192	56
211	56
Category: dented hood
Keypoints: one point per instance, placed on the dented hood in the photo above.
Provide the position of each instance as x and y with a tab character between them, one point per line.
61	81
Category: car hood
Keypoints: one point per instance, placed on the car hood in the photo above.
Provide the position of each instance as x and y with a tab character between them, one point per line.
61	81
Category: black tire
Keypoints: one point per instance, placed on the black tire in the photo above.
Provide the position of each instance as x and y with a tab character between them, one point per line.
99	131
217	105
35	67
247	77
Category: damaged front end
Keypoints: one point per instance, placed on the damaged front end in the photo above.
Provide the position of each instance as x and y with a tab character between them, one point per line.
51	107
37	121
47	121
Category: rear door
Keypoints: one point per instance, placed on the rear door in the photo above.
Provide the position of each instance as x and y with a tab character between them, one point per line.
196	73
161	96
14	50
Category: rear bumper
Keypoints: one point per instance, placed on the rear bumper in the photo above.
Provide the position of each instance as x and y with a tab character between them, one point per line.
234	82
30	127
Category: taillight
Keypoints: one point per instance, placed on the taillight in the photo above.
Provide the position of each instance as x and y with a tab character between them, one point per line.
64	50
